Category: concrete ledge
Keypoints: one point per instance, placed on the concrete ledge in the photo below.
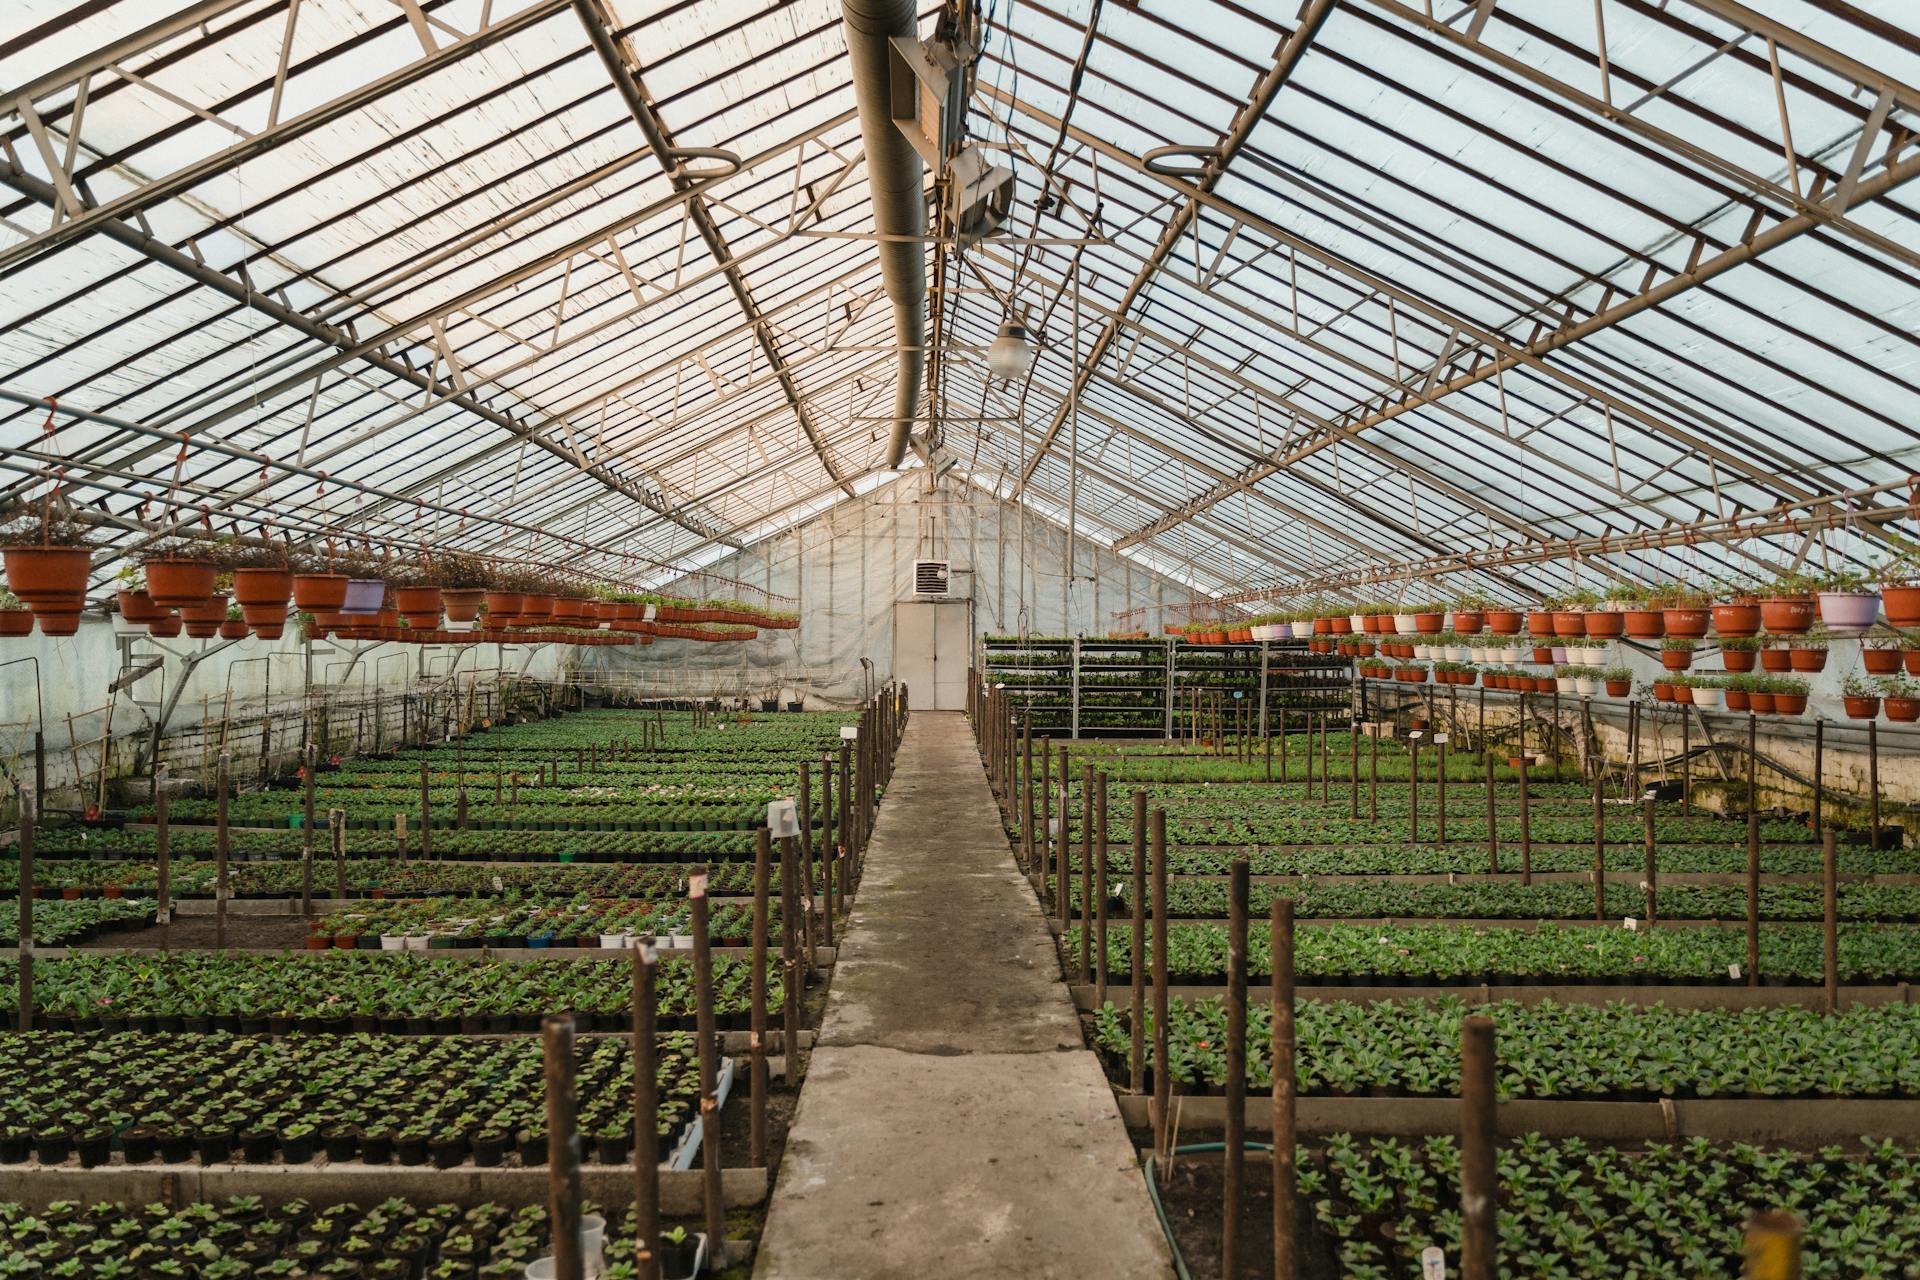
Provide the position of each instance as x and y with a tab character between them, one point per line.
680	1192
1805	1123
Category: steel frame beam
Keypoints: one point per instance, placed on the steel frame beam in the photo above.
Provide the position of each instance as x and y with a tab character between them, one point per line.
1286	59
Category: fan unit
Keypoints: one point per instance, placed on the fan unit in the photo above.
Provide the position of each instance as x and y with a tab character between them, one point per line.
930	577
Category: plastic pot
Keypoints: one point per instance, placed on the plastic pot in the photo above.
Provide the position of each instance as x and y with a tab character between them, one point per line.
262	586
1736	619
1787	615
1776	660
1789	704
1862	708
1880	662
138	606
1737	700
1849	610
48	574
1676	659
1902	604
1760	703
1904	710
319	592
1808	659
1646	624
234	629
1569	623
364	597
1505	622
15	623
1737	659
180	583
1686	623
1619	688
1605	624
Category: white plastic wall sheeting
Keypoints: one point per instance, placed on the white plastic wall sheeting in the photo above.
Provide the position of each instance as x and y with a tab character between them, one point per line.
847	568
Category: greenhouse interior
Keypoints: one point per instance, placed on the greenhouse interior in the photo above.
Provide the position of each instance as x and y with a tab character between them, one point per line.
1350	567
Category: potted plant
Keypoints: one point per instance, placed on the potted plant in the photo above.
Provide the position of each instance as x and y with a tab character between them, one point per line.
234	626
1504	621
1469	613
1738	692
1676	652
1643	618
1810	653
15	618
1738	653
1861	696
1788	611
180	575
1790	696
319	586
1619	681
1776	658
47	561
1848	602
1663	689
1736	612
1900	697
1683	611
1881	657
1900	584
1707	691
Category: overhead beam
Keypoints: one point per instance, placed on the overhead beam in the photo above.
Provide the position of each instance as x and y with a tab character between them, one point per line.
192	175
1291	50
622	68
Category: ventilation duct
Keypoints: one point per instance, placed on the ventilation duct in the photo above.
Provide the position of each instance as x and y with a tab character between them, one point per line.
894	179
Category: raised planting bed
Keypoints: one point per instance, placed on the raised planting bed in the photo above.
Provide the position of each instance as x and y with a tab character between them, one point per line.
1359	900
340	991
453	923
64	923
1429	859
135	1098
379	878
1600	1053
462	846
289	1238
1438	954
1239	826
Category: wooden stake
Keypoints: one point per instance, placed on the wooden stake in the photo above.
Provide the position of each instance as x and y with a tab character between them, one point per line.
162	842
757	1044
1753	861
1162	1078
563	1149
1100	891
1830	894
311	759
1285	1212
1236	1154
1493	828
1479	1174
1526	825
713	1196
646	1108
220	850
337	837
1136	945
1086	873
29	819
1650	872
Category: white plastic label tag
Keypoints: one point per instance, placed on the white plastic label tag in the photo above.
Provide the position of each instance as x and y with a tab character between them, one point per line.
783	819
1733	971
1433	1263
1239	693
849	732
1416	733
1630	924
499	885
1440	738
697	885
649	612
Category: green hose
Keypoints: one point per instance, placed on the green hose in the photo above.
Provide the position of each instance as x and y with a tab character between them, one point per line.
1152	1171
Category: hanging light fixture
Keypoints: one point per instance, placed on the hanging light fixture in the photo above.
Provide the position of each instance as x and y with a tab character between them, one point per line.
1011	355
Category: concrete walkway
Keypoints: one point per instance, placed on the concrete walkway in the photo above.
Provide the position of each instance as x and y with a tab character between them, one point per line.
951	1123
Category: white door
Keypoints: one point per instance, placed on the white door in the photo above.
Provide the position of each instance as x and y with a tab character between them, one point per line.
932	642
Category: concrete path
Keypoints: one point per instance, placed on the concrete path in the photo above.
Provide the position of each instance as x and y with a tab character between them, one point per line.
951	1123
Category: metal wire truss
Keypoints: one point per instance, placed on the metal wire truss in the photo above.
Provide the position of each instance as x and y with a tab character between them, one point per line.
1510	292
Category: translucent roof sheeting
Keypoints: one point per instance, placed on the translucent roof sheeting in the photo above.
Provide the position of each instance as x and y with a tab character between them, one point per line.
1454	285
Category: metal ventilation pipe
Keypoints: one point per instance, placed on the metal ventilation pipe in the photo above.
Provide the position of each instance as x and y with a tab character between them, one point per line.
894	176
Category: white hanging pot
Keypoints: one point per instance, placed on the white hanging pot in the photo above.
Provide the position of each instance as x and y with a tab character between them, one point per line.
364	596
1586	685
1406	624
1849	610
1706	696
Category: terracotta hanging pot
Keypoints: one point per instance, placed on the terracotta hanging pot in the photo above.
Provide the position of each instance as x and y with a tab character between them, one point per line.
1760	703
1736	619
1808	659
1646	624
1539	622
203	630
58	622
264	615
47	574
1737	659
1904	710
234	629
166	628
138	607
1787	615
537	606
1662	691
213	609
1776	660
1880	662
1569	623
1676	659
15	623
461	604
180	582
262	586
1737	700
1605	624
1901	603
1505	622
1862	708
1619	688
270	630
1467	622
319	592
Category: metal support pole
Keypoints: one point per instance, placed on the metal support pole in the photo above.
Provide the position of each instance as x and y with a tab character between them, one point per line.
844	827
1650	871
1373	773
426	814
1086	873
220	851
827	836
1830	895
1753	862
162	849
791	966
1285	1212
1873	785
29	819
1599	851
1526	821
1162	1078
757	1045
1440	788
311	760
337	836
1819	771
1100	891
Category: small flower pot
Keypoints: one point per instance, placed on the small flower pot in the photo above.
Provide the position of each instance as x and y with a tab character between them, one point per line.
1738	659
1808	659
1902	605
168	627
1569	623
263	587
1683	694
182	583
1903	710
1342	624
15	623
1880	662
1676	659
319	592
1789	704
234	629
1776	660
1760	703
1849	610
1543	653
1646	624
1706	696
1507	622
1428	623
1737	700
1467	622
1736	619
1686	623
1662	691
1539	622
41	575
1619	688
1862	708
1787	615
1605	624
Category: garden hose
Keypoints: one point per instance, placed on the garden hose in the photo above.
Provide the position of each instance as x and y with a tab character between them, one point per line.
1152	1169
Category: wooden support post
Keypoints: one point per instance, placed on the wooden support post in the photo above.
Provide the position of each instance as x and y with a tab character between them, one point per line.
1830	896
1086	873
1266	745
826	839
1353	771
1136	947
1413	789
1162	1078
1283	748
1440	788
646	1108
1323	757
1236	1135
1819	771
1100	870
426	815
844	828
1479	1173
563	1149
1493	827
162	851
29	819
1599	850
1873	785
1044	854
1285	1212
223	777
1753	860
337	837
803	806
1026	793
757	1017
713	1197
1526	823
1772	1246
791	966
1686	765
1650	870
460	808
1373	772
310	761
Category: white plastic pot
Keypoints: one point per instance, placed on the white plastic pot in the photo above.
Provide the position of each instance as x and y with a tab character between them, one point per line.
615	941
1565	683
392	942
1705	696
416	942
1359	621
1849	610
1406	624
1586	687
